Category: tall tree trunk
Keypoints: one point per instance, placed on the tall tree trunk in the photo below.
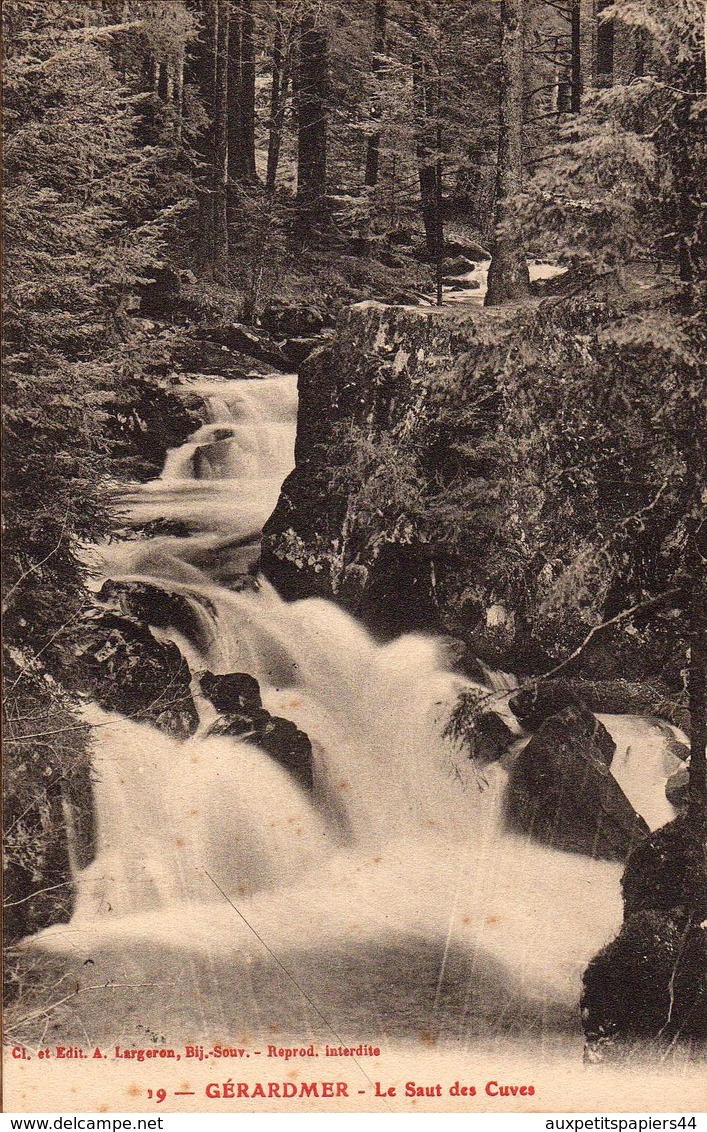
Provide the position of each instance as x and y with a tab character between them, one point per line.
428	167
575	56
219	242
200	70
605	45
162	81
281	62
508	274
312	94
697	687
179	92
692	250
373	144
241	76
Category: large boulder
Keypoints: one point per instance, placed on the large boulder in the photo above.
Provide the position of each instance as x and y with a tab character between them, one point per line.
375	377
237	697
297	349
561	791
119	664
255	343
458	265
151	605
651	981
288	320
667	870
533	705
236	693
460	245
150	419
199	355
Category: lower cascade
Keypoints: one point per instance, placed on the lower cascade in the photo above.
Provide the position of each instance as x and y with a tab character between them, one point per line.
390	898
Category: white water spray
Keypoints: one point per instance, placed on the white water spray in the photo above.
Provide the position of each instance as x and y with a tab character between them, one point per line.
212	860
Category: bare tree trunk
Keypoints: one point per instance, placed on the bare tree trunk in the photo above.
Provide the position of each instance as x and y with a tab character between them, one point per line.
281	62
312	93
219	241
241	76
576	56
179	92
697	690
508	274
692	234
430	192
373	144
162	81
200	67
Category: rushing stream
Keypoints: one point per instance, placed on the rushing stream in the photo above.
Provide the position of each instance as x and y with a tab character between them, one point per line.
390	901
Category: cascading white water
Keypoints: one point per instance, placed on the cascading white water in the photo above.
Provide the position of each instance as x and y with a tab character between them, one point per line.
212	859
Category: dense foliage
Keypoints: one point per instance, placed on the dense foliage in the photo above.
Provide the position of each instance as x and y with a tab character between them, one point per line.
87	220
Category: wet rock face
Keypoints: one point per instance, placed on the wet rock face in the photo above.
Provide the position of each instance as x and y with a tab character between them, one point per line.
532	706
561	790
155	419
254	343
666	871
233	694
237	697
151	605
120	665
651	981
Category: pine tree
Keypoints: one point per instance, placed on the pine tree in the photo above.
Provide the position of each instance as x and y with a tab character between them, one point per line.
508	277
312	115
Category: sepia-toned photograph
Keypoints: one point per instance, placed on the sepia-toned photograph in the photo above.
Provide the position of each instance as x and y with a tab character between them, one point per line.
354	590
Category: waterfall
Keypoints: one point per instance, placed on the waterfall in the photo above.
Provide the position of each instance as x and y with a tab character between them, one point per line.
216	871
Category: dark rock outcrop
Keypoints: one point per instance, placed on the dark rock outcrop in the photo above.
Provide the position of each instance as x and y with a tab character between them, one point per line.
199	355
236	693
237	697
532	706
650	983
286	320
119	664
561	790
297	349
155	420
677	788
458	265
150	605
376	376
461	246
255	343
666	871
